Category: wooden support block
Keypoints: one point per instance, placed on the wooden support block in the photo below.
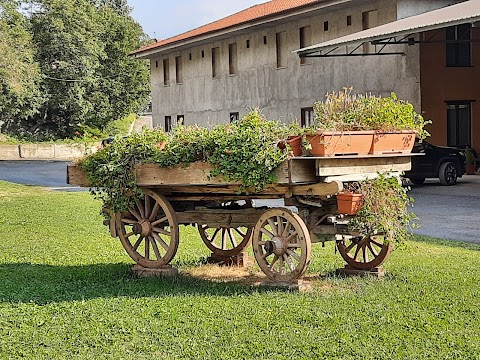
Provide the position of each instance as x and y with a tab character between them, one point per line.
240	260
349	271
164	271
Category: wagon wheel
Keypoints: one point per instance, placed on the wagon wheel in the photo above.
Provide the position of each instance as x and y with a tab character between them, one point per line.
226	240
281	244
149	231
365	252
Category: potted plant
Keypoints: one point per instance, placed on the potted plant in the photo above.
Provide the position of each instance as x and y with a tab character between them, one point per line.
359	124
470	161
384	210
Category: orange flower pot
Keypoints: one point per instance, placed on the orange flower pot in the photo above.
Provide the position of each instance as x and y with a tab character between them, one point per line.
331	143
349	204
400	142
295	143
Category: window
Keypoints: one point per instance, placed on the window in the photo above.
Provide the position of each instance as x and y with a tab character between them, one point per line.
248	44
305	40
234	116
166	72
203	54
281	49
178	70
215	62
325	26
369	20
168	123
458	123
458	45
264	40
307	116
349	20
190	56
156	64
232	59
180	119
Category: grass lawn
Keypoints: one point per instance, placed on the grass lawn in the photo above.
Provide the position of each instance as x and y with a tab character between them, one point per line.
66	292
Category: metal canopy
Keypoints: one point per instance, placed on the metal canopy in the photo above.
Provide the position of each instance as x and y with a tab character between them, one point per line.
398	32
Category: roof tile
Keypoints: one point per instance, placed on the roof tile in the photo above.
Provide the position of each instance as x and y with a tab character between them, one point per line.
253	13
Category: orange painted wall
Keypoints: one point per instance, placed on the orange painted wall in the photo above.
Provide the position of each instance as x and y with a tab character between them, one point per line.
440	83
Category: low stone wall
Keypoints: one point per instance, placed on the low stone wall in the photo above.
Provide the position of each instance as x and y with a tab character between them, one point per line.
60	152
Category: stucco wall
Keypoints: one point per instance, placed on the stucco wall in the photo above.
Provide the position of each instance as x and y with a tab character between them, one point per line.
281	93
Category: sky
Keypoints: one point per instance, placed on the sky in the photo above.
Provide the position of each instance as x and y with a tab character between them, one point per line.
162	19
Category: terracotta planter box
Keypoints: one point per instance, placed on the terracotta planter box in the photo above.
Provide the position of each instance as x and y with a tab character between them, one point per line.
400	142
331	143
349	204
470	169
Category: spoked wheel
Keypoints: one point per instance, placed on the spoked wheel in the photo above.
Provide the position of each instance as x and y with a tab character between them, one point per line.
149	231
364	252
281	244
225	240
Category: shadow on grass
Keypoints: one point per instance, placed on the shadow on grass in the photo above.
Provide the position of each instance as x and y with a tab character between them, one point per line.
43	284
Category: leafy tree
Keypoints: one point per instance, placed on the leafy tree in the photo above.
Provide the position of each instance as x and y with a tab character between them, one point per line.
19	73
88	79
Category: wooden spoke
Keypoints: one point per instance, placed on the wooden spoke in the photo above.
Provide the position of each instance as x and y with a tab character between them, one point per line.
268	233
147	206
161	231
232	238
282	234
141	208
135	213
153	216
365	256
156	207
128	221
162	220
155	248
241	233
137	244
160	241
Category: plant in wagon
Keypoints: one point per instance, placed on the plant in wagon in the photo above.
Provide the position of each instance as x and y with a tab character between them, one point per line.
382	221
346	123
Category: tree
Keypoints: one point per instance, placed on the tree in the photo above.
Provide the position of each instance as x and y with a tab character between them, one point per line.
88	77
19	73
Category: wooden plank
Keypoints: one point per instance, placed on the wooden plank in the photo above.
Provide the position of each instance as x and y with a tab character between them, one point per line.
219	217
359	177
198	173
346	166
76	176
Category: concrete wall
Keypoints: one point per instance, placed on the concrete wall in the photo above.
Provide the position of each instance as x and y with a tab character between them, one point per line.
281	93
59	152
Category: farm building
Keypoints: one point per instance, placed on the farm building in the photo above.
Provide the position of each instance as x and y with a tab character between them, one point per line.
283	55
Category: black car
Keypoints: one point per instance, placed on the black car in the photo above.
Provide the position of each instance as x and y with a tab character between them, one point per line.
444	163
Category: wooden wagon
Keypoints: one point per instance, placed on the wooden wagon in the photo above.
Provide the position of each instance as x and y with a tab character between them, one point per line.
228	221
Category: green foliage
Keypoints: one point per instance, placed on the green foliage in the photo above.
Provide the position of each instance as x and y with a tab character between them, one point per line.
384	209
67	292
88	78
20	94
110	171
469	156
344	111
245	152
